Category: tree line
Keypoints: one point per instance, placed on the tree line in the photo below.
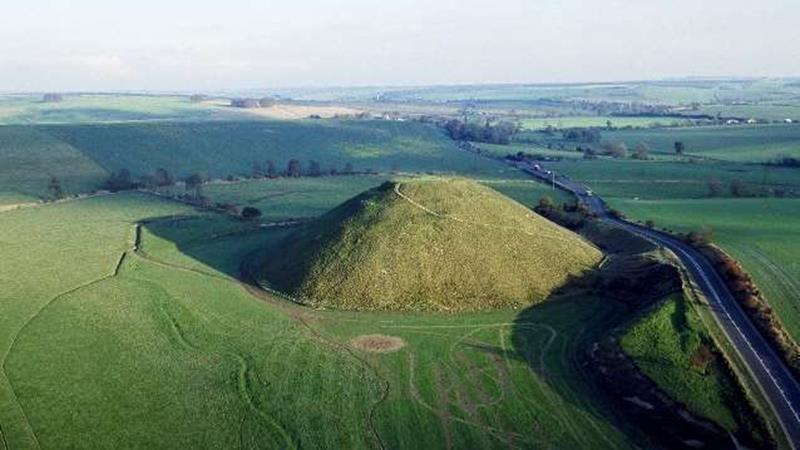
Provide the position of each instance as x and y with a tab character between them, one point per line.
488	132
295	168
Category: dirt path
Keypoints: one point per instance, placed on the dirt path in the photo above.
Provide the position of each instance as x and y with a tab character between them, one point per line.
15	206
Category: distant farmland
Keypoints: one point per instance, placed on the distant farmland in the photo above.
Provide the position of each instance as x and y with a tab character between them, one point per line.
742	143
601	121
669	179
87	153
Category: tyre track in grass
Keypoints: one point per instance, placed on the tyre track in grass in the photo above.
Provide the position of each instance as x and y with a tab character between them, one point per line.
250	285
779	275
243	385
498	434
135	247
3	441
501	435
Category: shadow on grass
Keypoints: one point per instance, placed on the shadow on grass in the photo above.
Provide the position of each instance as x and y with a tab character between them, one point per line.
570	323
219	242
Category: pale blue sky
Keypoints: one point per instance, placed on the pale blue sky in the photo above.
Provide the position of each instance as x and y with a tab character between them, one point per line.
201	44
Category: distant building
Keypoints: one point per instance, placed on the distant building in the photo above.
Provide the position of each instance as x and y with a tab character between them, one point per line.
752	121
732	122
788	120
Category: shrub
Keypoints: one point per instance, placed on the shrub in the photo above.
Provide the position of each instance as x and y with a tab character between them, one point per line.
251	213
755	305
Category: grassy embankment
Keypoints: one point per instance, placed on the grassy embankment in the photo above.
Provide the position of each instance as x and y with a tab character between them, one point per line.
671	345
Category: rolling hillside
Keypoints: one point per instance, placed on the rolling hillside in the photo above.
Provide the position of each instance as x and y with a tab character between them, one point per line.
83	155
231	147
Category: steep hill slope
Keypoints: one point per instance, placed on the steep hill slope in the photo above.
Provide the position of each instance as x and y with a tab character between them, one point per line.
426	244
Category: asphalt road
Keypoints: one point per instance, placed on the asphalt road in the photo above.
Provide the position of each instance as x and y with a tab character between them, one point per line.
773	377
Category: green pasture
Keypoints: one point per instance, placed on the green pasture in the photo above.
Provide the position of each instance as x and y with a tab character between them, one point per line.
740	143
539	123
773	110
29	109
28	158
231	147
171	345
664	179
286	198
82	155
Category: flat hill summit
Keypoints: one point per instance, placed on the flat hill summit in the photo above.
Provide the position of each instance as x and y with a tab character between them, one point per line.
428	244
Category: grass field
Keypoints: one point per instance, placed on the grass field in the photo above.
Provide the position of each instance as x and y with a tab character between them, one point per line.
287	198
763	234
28	158
742	143
39	248
222	148
600	121
774	110
512	149
672	347
28	109
83	155
168	344
660	179
96	331
528	192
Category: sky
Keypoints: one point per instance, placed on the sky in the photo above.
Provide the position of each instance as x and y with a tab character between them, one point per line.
183	45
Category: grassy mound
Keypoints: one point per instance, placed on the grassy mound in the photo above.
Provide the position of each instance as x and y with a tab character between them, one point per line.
426	244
